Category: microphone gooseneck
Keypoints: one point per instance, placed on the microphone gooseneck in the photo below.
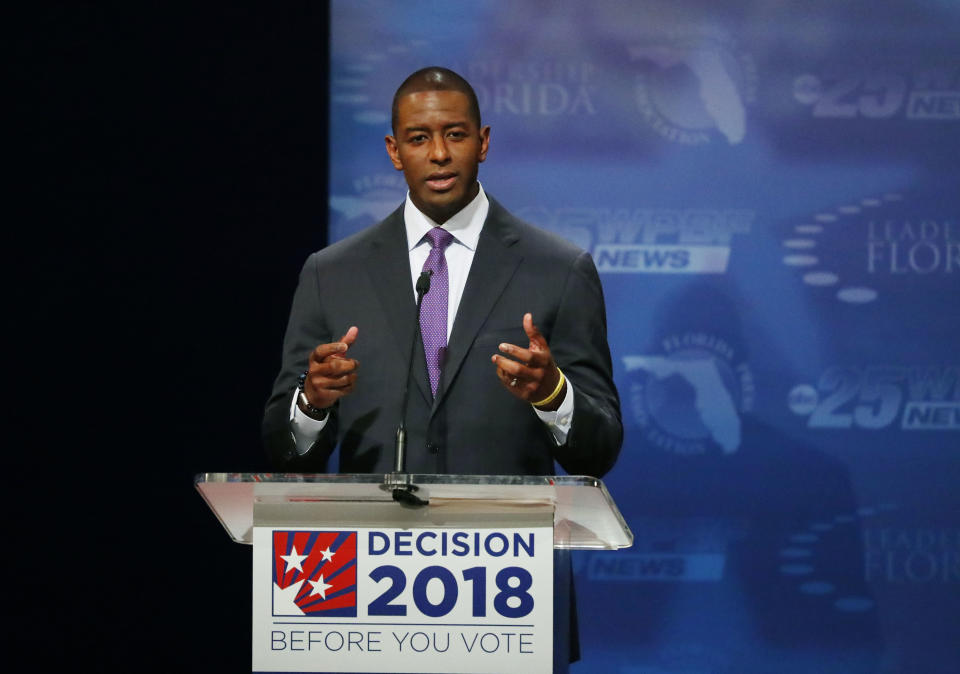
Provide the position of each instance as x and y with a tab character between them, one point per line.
404	494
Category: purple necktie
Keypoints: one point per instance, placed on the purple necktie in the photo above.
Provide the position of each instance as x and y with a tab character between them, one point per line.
433	311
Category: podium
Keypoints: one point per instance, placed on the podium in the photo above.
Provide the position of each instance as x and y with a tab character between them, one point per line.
347	579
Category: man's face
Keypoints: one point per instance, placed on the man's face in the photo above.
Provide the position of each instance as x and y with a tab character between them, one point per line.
438	147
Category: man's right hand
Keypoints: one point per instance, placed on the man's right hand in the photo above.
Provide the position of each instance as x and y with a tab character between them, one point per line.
330	374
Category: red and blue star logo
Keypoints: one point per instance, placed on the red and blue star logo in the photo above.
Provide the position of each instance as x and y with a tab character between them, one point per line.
315	573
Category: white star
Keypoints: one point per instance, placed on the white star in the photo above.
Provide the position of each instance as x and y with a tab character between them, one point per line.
285	599
294	560
327	555
320	587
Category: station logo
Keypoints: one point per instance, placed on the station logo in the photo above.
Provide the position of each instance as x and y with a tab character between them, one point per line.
691	550
314	573
688	399
694	86
879	397
882	92
649	240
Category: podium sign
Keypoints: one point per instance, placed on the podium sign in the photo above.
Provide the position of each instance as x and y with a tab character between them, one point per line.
348	580
448	599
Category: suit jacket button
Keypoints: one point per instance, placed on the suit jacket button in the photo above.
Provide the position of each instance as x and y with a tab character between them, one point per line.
432	448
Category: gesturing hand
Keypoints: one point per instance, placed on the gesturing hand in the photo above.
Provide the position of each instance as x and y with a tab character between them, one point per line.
330	374
530	373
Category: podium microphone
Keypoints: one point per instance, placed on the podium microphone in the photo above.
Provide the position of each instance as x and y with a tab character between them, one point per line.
404	493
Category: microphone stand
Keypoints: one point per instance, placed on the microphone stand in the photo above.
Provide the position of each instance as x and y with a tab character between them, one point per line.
403	490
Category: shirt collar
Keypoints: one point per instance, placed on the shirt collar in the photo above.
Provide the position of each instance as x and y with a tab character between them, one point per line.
465	225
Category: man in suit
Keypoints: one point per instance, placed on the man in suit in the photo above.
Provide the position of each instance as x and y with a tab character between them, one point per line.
530	308
514	372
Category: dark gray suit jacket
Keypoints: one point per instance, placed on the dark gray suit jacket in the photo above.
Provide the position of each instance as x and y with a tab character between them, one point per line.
474	426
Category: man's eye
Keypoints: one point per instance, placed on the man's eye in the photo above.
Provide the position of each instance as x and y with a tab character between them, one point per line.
457	134
418	138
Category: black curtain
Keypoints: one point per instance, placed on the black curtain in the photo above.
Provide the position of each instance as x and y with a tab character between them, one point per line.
169	179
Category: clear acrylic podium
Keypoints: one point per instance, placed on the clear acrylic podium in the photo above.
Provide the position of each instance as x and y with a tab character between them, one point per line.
584	515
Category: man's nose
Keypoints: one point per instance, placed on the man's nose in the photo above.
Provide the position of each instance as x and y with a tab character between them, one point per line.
438	151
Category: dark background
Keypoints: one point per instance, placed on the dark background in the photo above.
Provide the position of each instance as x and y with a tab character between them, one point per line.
169	179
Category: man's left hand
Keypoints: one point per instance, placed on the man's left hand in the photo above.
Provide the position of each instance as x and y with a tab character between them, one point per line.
530	374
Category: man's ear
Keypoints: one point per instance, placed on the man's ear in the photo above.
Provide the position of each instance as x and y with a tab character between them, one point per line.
484	143
394	153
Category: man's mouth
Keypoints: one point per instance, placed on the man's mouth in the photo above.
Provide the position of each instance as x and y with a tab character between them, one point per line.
440	182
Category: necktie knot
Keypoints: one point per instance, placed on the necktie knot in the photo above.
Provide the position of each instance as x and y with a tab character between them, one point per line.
439	238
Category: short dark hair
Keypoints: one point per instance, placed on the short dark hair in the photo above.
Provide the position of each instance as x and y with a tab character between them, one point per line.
434	78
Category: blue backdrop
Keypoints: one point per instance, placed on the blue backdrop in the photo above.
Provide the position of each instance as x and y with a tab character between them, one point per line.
769	190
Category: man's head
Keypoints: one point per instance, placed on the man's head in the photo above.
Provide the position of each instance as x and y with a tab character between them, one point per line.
434	78
437	141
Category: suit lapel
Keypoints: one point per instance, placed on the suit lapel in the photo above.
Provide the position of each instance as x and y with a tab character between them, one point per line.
494	264
389	272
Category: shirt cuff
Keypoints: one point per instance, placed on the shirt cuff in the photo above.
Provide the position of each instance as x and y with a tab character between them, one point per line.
305	430
560	419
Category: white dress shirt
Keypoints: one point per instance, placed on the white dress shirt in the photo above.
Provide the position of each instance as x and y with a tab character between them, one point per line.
465	227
